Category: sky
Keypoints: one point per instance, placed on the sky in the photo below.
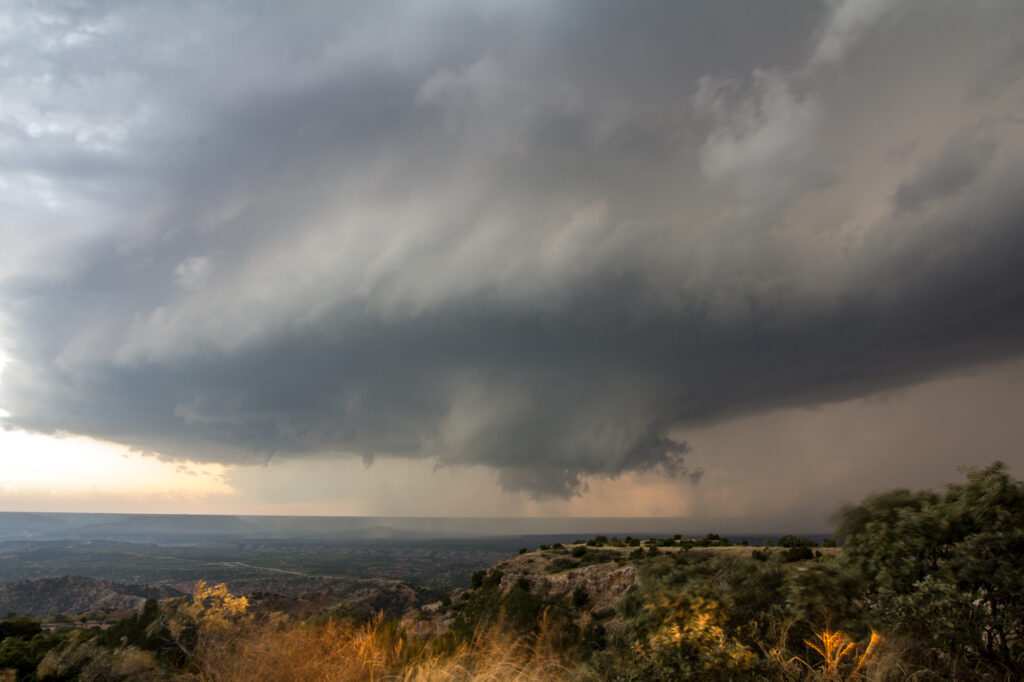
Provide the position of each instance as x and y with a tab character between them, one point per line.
741	262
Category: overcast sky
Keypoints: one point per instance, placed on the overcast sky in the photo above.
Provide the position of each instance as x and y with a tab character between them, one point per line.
709	259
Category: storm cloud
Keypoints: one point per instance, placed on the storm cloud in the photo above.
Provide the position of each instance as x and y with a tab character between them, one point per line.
541	238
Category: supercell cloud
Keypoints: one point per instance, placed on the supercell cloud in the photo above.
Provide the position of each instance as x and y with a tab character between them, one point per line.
543	238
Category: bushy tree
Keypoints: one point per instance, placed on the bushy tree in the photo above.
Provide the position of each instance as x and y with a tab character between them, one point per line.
24	627
580	597
947	569
790	541
180	622
683	637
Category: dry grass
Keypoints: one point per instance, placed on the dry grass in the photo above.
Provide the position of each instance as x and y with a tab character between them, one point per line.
377	651
841	659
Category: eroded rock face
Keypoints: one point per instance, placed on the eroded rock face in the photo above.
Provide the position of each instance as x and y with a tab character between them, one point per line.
553	574
75	594
606	583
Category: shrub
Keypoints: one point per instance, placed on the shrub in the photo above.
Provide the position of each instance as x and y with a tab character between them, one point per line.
947	569
580	597
789	541
24	627
685	640
595	637
801	553
520	608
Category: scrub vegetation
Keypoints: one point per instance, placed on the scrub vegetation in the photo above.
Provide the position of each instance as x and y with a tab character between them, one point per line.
926	585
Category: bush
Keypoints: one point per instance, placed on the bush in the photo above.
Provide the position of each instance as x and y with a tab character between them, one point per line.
579	551
16	653
801	553
521	608
790	541
684	640
24	627
947	569
580	597
595	637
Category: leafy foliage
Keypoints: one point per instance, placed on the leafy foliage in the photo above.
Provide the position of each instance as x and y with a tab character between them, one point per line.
686	640
947	570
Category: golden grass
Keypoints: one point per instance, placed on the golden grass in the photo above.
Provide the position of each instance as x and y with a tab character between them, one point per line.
841	659
376	651
287	651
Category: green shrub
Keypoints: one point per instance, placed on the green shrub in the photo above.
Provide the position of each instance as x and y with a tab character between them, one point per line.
801	553
580	597
521	608
24	627
947	569
790	541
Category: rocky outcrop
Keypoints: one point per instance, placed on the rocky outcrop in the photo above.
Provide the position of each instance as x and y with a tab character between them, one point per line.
606	576
75	594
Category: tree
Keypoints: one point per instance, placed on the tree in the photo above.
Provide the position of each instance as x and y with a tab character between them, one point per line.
947	569
24	627
212	610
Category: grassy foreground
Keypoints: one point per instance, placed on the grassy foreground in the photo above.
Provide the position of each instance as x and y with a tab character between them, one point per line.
927	586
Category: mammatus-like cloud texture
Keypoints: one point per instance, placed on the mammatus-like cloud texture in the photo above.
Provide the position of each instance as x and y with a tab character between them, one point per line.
540	238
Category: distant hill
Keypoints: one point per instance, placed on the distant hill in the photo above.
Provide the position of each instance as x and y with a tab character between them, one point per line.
177	529
75	594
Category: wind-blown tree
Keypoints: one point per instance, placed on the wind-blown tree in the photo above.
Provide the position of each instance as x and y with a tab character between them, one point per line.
947	570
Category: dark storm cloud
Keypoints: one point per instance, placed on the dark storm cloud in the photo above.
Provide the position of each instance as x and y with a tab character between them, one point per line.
538	239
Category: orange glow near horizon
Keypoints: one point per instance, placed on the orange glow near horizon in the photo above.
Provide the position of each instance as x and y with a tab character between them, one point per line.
76	466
